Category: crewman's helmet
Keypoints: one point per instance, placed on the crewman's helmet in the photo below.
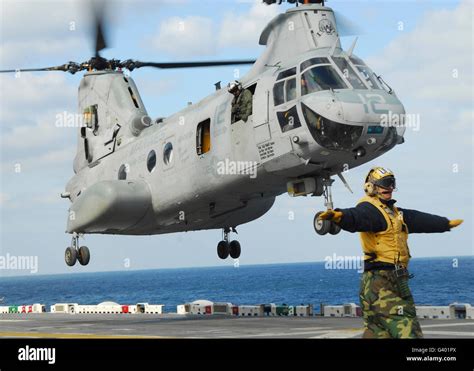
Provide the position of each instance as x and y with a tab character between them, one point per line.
381	177
234	87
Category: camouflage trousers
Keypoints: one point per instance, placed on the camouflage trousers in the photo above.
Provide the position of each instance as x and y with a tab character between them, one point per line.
386	313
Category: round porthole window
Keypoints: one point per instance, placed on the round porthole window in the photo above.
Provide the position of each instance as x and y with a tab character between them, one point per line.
151	161
122	173
168	153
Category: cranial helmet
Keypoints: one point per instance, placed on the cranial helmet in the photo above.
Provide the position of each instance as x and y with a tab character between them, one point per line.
234	87
380	177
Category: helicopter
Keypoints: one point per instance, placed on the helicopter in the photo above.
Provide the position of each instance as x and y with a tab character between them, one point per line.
313	112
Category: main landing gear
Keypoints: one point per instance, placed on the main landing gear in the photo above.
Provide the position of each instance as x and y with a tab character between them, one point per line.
75	253
323	227
226	248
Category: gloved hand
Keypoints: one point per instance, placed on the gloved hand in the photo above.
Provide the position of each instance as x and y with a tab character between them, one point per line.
333	215
455	222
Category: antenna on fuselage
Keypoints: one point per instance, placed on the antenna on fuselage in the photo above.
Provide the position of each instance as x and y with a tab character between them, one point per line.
351	49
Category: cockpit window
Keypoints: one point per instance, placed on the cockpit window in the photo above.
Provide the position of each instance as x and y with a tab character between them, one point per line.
320	78
312	61
290	89
279	93
356	60
349	72
365	71
369	76
287	73
284	91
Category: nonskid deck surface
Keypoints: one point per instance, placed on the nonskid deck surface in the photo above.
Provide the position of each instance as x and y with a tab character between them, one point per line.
56	325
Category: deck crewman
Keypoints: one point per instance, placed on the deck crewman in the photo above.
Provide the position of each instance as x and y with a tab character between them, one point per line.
386	300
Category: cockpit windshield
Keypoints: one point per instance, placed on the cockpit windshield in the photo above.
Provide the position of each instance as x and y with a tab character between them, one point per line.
348	72
320	78
365	71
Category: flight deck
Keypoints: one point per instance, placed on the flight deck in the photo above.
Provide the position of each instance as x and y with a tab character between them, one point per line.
61	325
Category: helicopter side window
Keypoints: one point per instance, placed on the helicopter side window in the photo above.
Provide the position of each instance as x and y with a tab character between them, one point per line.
290	89
168	153
279	93
151	161
321	78
349	73
123	170
203	137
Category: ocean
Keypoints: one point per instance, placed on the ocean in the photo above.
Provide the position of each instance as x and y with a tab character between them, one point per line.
437	281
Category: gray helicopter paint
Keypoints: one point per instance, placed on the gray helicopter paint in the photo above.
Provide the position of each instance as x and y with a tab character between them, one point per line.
189	193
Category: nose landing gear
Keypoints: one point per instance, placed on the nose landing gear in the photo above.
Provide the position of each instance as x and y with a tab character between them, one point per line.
226	248
75	253
323	227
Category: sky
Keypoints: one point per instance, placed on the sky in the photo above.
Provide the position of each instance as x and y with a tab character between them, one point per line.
423	49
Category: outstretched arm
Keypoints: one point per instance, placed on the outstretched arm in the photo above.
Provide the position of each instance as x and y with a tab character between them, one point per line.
363	218
420	222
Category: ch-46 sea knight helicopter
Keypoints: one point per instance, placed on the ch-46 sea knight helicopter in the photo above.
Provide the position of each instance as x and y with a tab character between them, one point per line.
315	111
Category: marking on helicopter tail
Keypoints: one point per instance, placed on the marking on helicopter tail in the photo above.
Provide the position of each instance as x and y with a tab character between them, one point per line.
266	150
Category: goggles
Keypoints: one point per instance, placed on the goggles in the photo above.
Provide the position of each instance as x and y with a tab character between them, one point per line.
387	182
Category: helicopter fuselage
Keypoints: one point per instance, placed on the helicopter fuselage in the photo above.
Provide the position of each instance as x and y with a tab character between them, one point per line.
315	113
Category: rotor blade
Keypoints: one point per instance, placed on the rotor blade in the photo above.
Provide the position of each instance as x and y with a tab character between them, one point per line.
137	64
98	8
68	67
345	27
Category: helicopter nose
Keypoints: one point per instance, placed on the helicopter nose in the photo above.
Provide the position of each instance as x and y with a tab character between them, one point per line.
326	104
373	107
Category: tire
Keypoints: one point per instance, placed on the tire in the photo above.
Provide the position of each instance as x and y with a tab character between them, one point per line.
321	227
84	255
70	256
223	249
335	228
234	249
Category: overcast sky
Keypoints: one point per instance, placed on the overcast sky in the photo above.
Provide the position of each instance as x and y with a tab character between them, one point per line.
422	49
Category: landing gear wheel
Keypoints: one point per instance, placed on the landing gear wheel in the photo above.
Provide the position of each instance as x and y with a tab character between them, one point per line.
84	255
234	248
334	229
70	256
321	227
223	249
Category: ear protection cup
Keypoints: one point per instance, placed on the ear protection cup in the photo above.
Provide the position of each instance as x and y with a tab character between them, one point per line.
369	189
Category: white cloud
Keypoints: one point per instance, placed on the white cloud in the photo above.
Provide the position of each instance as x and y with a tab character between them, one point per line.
33	93
43	134
31	30
33	165
244	30
30	105
195	35
187	36
423	63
